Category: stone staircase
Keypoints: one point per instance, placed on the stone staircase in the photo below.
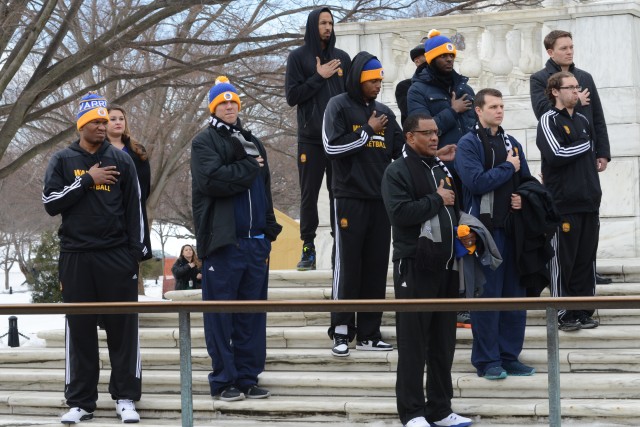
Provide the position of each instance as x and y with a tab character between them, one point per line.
600	371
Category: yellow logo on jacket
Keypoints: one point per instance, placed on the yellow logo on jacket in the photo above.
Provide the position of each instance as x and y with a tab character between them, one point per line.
303	158
340	72
566	227
344	223
567	130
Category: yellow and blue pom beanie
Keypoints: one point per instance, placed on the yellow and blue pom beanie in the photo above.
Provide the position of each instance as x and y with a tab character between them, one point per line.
92	106
222	91
372	70
437	45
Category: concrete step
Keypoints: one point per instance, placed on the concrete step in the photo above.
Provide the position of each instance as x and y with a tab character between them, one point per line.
322	291
293	319
320	359
342	411
607	385
606	336
607	317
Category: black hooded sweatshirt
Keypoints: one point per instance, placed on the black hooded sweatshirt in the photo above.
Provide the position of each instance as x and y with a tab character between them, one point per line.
359	156
306	88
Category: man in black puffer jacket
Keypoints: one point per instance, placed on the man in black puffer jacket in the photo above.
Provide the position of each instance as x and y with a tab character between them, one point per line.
361	137
316	71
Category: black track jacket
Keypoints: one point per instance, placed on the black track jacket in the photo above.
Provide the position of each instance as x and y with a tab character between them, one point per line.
569	161
359	156
94	217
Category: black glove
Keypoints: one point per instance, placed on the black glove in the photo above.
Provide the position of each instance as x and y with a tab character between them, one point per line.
238	149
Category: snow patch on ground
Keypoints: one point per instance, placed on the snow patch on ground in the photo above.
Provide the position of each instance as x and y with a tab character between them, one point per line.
30	325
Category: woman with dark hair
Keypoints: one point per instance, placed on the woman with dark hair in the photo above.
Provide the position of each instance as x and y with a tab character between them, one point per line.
119	136
187	269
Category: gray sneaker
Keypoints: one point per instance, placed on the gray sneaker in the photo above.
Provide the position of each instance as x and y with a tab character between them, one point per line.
569	325
230	394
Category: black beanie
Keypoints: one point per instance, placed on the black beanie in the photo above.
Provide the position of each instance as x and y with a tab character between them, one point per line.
416	51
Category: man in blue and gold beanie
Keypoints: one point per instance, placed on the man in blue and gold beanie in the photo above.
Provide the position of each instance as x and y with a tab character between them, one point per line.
94	187
222	91
372	70
439	91
92	106
436	45
235	225
360	137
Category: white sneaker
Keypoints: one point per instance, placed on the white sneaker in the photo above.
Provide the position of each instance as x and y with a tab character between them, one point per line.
75	415
453	420
417	422
126	411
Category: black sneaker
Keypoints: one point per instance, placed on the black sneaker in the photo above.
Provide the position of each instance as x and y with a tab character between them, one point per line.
602	280
308	260
340	345
378	345
569	325
586	322
255	392
229	394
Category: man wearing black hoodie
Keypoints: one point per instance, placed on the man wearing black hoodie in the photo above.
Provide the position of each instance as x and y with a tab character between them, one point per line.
315	73
361	137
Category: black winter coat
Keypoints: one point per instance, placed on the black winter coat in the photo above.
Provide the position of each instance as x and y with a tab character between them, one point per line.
532	228
216	178
182	272
593	112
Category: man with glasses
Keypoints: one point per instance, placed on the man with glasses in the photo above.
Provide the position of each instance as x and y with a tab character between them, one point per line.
419	195
571	160
491	164
559	46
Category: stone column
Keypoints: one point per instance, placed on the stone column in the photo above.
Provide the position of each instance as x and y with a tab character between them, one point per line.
471	66
389	65
530	47
500	64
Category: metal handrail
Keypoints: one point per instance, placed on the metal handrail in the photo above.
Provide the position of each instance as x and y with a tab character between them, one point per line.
185	308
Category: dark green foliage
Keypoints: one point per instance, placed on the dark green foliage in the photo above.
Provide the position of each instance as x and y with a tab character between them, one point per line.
151	268
46	284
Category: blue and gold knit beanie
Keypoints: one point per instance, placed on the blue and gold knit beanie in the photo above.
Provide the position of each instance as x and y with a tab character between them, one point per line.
222	91
437	45
372	70
92	106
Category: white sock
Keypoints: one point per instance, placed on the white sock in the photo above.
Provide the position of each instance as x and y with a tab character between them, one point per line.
342	330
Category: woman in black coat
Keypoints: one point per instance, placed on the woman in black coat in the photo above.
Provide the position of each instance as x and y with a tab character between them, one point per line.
119	136
187	269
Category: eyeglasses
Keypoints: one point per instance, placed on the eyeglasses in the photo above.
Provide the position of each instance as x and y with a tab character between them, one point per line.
427	132
578	88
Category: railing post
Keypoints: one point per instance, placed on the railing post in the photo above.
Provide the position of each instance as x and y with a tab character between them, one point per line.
184	320
553	372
